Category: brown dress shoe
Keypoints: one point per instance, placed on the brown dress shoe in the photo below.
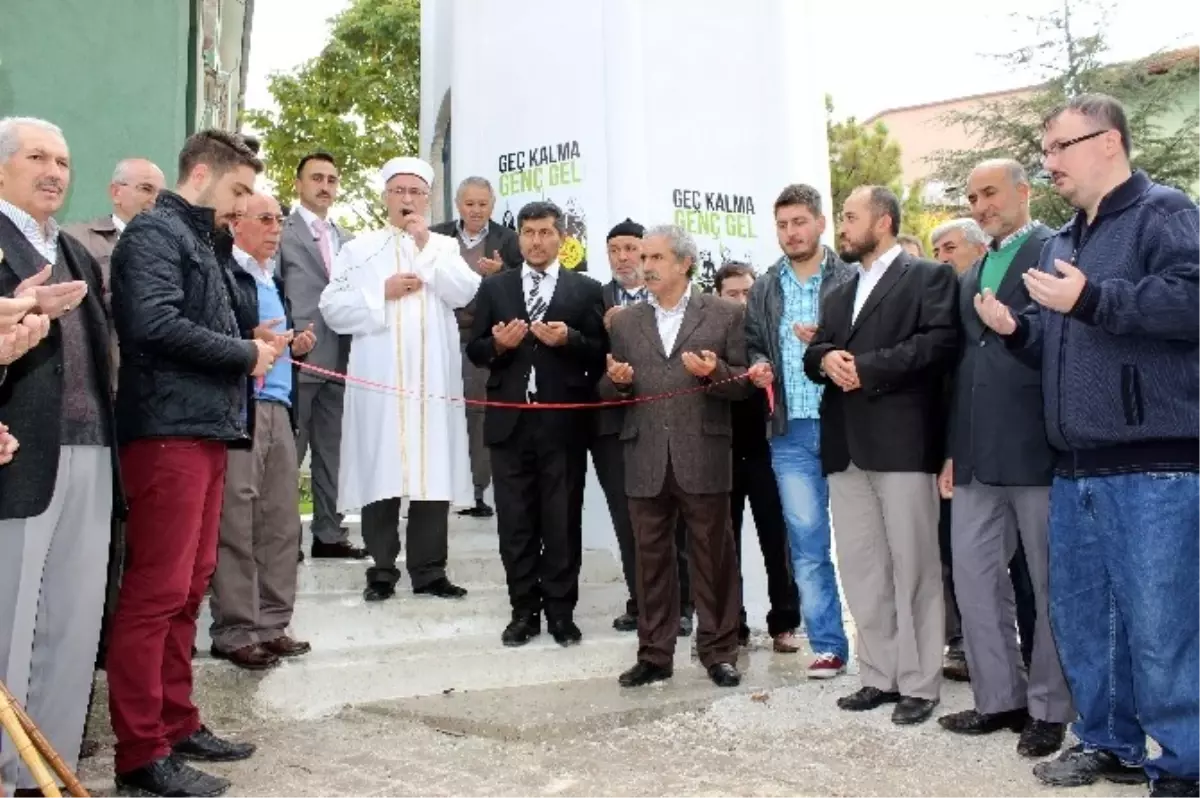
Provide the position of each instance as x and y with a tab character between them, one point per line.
786	643
252	657
284	646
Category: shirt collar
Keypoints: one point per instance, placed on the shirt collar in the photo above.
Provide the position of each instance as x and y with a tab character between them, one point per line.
882	263
29	227
785	266
471	240
310	218
1013	236
118	224
255	269
550	271
679	308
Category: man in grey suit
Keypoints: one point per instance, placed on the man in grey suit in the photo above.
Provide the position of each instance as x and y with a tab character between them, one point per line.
309	244
487	248
678	454
998	471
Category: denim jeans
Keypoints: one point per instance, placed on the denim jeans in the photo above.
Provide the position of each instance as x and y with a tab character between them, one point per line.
1124	607
796	459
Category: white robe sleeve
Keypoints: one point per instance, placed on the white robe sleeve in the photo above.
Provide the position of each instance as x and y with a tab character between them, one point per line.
450	279
353	303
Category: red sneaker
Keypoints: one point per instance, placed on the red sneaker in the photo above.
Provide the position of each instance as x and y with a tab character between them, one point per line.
826	666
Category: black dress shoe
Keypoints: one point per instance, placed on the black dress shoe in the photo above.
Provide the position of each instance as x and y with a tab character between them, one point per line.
205	746
1174	788
911	711
724	675
342	550
644	673
1078	766
866	698
379	591
743	635
169	776
956	670
480	510
442	588
625	623
521	630
971	722
685	626
564	632
1041	738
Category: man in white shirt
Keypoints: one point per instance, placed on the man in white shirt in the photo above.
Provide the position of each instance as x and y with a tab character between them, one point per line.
395	291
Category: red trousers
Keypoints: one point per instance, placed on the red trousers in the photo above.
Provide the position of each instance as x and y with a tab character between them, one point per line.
174	488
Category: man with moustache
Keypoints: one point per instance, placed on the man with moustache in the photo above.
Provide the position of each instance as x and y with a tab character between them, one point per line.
58	494
998	471
539	331
678	454
307	251
782	317
181	403
395	291
883	348
959	243
1113	327
487	247
628	288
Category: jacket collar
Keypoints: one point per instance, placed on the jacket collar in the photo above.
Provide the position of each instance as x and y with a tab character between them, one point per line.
202	220
1120	197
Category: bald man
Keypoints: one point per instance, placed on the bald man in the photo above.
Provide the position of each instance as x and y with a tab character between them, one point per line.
134	188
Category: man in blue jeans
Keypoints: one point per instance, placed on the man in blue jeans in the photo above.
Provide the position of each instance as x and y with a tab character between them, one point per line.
1114	327
781	319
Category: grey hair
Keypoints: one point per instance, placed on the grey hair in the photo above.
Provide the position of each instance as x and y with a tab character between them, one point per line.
474	182
682	244
971	230
1012	168
121	172
10	130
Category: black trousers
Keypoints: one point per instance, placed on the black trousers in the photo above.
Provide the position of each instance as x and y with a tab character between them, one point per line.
608	458
1018	572
754	479
425	537
537	478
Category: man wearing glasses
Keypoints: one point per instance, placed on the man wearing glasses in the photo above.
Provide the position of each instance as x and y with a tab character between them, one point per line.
395	291
254	585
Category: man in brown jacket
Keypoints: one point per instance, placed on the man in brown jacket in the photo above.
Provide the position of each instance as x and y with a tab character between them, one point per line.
678	456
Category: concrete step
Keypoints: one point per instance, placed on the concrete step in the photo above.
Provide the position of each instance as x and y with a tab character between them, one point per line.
341	622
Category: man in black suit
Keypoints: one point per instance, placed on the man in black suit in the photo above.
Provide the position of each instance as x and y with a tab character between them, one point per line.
998	471
885	342
487	248
539	330
628	288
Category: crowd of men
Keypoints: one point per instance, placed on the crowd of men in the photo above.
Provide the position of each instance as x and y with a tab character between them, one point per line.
1004	440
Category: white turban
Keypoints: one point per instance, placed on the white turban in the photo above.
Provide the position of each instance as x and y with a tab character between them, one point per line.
406	166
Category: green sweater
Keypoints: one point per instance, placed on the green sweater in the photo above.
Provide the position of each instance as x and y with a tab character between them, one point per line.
996	264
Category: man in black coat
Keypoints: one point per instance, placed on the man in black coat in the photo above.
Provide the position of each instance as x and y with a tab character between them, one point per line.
883	347
182	401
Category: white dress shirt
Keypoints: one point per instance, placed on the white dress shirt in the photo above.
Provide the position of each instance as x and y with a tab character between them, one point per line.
118	224
262	272
43	239
545	293
311	220
869	278
670	320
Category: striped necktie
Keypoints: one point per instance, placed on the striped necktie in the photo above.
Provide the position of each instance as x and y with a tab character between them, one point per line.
535	305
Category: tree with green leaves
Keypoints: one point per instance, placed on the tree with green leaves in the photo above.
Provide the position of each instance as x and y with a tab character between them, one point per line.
359	100
1070	55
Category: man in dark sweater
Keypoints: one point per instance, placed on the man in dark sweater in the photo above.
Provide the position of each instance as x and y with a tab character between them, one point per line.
1113	325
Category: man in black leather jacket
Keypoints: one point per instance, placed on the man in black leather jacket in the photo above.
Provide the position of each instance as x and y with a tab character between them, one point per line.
182	401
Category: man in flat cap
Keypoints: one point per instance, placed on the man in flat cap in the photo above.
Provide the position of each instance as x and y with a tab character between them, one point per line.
395	291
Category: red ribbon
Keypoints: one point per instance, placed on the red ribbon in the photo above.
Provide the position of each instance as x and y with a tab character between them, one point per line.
524	405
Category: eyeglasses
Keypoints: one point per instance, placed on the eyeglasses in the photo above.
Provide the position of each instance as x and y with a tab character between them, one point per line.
263	218
1057	147
142	188
415	193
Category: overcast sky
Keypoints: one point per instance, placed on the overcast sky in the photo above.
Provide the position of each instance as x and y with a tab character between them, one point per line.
871	55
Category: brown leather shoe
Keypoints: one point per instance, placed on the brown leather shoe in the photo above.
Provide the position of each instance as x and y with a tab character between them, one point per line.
786	643
252	657
284	646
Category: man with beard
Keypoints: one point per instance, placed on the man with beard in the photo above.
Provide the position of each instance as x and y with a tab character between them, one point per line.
628	288
181	402
1113	327
782	318
884	345
487	248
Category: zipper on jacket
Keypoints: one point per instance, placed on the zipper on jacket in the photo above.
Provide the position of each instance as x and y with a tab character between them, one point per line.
1062	340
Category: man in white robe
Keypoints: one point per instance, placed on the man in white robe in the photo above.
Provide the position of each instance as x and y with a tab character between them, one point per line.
404	434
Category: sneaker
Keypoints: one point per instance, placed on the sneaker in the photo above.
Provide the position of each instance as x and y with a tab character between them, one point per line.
826	666
1078	766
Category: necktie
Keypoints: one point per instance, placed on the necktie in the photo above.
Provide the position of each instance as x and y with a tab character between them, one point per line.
322	228
535	305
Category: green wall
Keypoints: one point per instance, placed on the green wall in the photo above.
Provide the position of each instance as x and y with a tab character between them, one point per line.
113	74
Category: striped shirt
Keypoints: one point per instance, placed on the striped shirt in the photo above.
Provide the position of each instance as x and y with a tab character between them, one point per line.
44	241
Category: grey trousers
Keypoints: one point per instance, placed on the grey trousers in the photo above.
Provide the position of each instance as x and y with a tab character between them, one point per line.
254	584
475	387
885	525
425	535
984	533
48	638
319	417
